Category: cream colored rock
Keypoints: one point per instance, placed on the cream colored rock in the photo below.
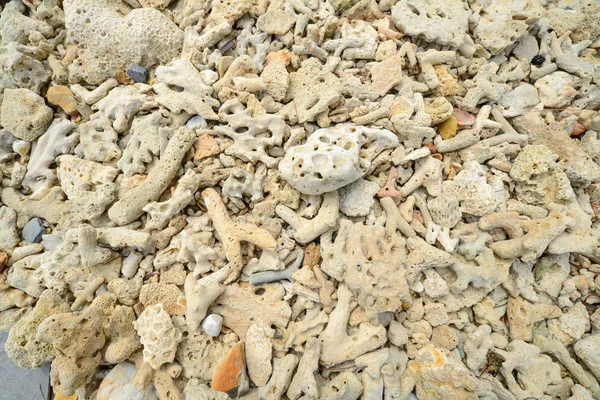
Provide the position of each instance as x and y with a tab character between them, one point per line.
276	22
122	103
303	384
58	139
9	238
122	337
25	114
200	294
344	386
198	353
21	346
283	368
586	351
232	234
577	165
470	187
356	199
158	336
258	351
522	315
313	89
307	230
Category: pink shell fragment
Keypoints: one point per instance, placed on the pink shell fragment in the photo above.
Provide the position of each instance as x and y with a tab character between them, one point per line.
463	118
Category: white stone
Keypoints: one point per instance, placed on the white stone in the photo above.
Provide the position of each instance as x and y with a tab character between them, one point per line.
212	325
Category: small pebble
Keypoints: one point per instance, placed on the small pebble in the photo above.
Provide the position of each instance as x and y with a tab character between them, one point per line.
138	73
34	230
196	122
63	97
448	128
538	60
212	325
578	129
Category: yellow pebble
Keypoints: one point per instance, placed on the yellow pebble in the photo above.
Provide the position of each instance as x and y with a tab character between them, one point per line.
448	128
62	97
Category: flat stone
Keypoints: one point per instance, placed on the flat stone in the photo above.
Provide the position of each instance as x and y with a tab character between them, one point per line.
63	97
33	231
138	73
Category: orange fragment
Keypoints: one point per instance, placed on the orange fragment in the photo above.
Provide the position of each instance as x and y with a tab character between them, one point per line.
206	146
62	97
231	371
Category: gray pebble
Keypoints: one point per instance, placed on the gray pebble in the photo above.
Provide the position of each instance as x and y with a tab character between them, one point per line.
138	73
33	231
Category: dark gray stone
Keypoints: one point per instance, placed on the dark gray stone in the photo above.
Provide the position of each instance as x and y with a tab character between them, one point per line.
33	231
137	73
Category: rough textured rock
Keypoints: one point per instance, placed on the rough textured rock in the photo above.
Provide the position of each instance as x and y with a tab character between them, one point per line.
99	27
25	114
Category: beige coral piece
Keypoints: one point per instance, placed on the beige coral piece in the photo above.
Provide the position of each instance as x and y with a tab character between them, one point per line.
258	351
78	339
25	114
242	305
522	316
158	336
337	345
436	374
232	233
